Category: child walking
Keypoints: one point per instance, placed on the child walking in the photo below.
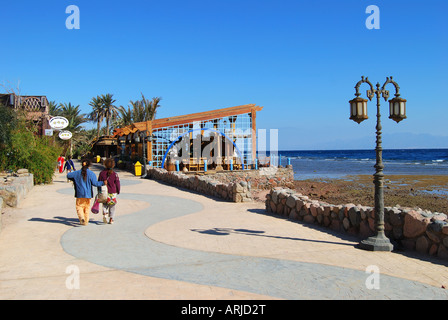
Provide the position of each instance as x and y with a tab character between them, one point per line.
69	166
113	189
83	181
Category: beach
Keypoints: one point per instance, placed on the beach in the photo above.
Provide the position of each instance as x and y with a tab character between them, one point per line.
422	191
425	192
412	177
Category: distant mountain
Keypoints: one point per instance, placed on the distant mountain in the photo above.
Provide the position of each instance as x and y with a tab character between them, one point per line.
289	140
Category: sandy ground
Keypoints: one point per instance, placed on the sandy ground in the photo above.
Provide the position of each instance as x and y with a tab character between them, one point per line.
426	192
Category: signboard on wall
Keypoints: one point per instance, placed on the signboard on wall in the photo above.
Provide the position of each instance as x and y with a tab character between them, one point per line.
65	135
58	123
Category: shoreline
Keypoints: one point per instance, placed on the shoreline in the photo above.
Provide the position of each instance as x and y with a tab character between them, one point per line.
427	192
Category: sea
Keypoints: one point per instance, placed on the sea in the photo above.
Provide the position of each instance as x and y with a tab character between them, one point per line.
338	164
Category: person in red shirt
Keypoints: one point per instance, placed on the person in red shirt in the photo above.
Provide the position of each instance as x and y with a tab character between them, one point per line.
113	189
61	160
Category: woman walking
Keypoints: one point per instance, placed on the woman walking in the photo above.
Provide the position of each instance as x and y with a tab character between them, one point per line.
113	189
83	181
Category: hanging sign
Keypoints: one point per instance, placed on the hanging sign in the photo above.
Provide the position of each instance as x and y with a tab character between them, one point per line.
58	123
65	135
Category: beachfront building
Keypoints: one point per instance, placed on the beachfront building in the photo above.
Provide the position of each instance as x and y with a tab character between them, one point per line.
105	147
35	107
218	139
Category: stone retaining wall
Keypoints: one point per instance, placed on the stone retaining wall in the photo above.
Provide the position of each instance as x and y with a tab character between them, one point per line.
14	188
233	186
238	191
263	178
415	229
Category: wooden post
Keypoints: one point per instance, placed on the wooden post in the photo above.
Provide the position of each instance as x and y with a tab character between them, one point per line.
149	141
253	114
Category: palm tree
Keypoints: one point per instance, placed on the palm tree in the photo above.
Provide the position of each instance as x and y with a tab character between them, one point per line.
124	117
150	107
138	113
97	114
54	108
110	111
84	144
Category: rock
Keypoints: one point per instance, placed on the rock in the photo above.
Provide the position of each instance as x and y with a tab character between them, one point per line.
273	206
437	226
299	204
364	229
395	217
279	208
237	197
320	209
433	249
274	196
291	201
335	225
442	252
354	216
431	235
346	223
238	188
414	224
293	214
304	212
422	244
445	242
439	216
397	232
347	207
308	219
313	209
445	229
408	244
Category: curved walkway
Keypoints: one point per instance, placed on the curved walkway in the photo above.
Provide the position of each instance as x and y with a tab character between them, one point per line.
186	246
124	246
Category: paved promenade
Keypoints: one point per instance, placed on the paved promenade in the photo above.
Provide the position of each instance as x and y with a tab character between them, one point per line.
167	243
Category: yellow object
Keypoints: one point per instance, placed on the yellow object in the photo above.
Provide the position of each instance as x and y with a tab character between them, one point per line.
138	168
98	159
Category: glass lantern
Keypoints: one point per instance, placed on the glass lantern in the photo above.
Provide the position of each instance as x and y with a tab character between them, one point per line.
397	109
358	109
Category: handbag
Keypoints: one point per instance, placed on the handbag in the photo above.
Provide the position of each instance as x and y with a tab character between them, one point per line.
102	197
96	206
111	199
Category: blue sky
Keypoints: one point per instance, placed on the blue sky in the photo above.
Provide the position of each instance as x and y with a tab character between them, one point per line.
300	60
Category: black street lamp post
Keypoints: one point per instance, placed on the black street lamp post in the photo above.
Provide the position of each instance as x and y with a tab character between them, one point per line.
358	113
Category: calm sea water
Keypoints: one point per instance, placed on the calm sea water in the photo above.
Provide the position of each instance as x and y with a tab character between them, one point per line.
340	163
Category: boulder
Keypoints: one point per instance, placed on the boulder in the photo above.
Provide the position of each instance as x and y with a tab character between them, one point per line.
422	244
414	224
291	201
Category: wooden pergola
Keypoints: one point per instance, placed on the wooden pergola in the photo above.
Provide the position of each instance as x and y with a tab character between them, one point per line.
149	126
